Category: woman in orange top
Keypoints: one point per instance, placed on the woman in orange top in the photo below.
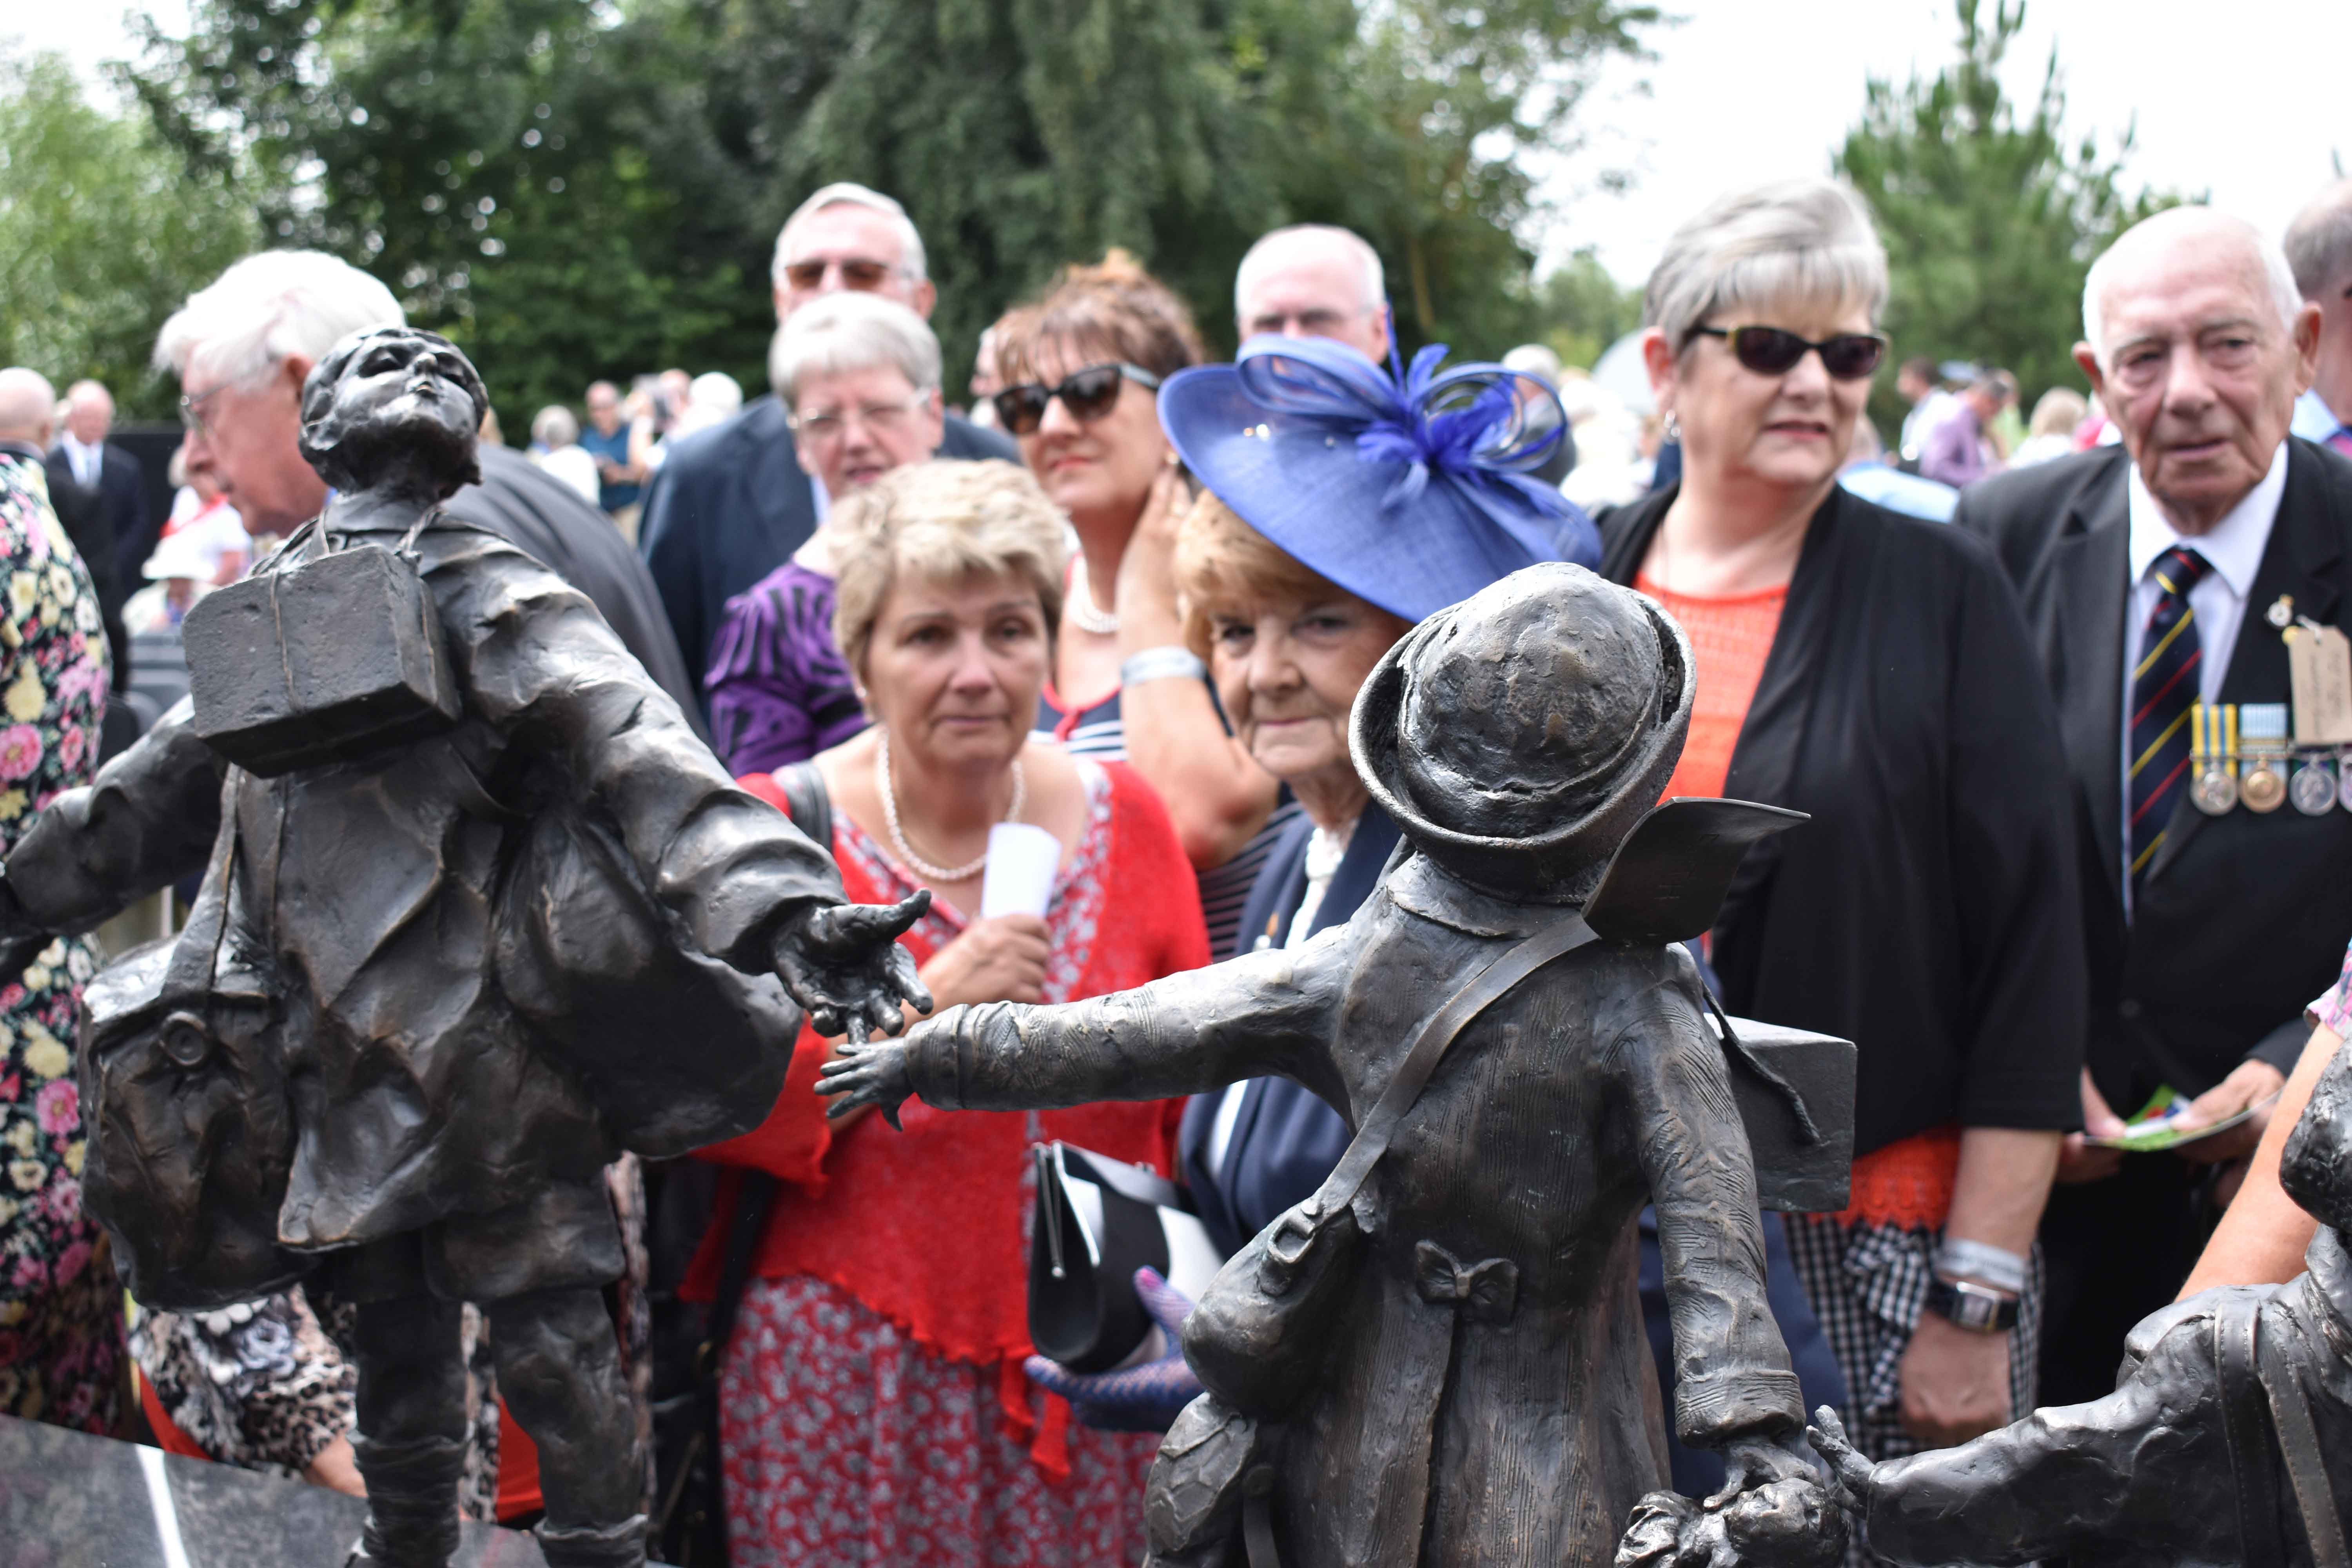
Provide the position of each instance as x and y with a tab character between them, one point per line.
1873	671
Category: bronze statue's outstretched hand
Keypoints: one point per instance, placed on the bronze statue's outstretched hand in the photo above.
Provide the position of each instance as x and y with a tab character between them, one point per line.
843	965
1749	1463
1849	1471
860	1075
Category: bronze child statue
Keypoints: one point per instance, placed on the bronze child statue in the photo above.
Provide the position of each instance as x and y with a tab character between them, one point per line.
2228	1439
1440	1358
479	912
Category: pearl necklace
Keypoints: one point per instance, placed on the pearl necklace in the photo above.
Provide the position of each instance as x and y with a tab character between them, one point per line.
1087	615
916	863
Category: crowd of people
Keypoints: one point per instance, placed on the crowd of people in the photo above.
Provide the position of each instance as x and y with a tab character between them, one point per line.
2059	914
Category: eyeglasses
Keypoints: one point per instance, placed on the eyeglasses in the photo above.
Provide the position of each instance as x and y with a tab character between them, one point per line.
856	272
192	410
882	418
1768	350
1089	394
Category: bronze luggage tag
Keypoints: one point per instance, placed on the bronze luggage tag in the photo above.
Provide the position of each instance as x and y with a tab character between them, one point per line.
2262	732
2213	747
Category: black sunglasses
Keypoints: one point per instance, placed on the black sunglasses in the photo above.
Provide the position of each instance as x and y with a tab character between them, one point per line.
1768	350
1087	394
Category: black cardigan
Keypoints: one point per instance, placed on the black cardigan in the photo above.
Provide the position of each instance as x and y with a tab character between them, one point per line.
1930	910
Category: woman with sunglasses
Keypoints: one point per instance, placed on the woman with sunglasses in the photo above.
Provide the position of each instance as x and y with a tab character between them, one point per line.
1873	670
1082	368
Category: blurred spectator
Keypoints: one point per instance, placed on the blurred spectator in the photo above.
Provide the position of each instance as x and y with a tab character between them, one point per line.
1868	475
555	448
860	374
1539	363
1610	466
2319	250
2005	430
1958	452
1851	663
984	382
215	529
490	433
874	1407
178	574
606	440
1083	367
1314	280
732	503
673	395
1917	385
84	457
241	348
2056	416
61	1305
711	399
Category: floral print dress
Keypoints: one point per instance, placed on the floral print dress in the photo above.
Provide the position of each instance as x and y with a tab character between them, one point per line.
60	1310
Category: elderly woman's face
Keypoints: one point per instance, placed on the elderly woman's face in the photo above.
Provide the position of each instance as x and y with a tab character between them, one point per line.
1098	469
853	426
1790	429
1287	672
954	668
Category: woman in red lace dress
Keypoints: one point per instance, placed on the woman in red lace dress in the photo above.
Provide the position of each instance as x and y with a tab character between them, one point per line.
874	1409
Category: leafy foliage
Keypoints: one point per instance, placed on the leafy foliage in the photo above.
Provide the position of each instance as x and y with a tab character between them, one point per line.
102	234
1990	218
1582	310
575	188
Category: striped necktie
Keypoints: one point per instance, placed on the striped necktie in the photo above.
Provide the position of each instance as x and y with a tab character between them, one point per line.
2164	688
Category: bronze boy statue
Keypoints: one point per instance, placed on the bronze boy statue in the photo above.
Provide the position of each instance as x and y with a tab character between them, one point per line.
480	912
1441	1358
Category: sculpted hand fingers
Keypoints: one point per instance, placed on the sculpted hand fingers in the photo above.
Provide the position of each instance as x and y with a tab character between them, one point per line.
909	983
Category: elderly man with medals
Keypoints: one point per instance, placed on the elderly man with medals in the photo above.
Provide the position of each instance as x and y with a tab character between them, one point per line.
479	912
1440	1357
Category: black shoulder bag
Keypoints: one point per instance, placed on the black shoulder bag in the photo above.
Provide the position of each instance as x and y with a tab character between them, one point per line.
691	1523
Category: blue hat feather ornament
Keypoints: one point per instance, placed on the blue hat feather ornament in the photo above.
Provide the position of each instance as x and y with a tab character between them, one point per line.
1412	489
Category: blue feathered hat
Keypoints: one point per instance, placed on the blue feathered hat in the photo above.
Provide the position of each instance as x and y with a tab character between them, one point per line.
1410	491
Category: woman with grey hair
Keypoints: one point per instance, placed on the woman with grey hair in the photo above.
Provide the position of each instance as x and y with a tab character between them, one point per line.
860	376
556	450
1873	671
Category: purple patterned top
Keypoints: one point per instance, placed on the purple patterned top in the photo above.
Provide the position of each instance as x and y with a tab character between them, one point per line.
779	690
2332	1011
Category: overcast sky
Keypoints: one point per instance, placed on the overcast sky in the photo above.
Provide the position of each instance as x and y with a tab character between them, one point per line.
2250	99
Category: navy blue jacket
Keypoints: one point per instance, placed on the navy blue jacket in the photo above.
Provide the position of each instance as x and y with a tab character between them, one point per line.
1285	1140
730	504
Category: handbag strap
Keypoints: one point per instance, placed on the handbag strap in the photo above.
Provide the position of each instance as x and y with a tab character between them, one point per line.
809	806
195	955
2253	1465
1481	991
2306	1463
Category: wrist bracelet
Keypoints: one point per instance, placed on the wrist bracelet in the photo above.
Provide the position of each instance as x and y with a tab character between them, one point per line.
1168	663
1987	1265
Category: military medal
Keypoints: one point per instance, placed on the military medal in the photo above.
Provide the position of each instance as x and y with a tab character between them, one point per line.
2261	730
2312	790
2214	790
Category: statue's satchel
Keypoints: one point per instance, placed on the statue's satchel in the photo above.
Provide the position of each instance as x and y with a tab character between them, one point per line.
334	654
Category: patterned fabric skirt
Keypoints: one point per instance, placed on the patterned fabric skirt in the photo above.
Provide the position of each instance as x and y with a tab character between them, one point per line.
1868	1284
846	1442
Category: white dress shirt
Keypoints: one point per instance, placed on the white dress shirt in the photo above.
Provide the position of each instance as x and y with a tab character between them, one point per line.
2313	420
2233	549
87	462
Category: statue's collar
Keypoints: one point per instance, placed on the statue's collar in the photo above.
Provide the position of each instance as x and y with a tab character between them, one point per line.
1426	889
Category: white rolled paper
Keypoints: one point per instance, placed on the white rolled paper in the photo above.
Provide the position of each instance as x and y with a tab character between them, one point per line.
1022	860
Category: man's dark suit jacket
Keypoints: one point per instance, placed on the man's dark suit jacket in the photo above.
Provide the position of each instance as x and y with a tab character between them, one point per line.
730	504
129	534
2241	919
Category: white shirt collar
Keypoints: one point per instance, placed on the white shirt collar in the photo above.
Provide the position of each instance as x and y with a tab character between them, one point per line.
2232	547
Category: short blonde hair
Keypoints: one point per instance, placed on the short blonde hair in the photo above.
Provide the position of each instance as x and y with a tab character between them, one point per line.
1804	239
942	521
1223	565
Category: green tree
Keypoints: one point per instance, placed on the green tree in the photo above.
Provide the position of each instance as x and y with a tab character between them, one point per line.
1582	310
1992	217
573	188
102	234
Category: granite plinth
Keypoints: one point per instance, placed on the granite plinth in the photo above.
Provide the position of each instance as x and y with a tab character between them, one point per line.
71	1500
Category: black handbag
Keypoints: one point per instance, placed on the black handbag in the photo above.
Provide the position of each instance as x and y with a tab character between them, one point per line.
1096	1221
689	1524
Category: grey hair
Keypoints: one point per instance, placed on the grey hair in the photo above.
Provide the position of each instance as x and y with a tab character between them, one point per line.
2319	241
2285	296
554	427
847	193
850	330
1792	239
1376	281
268	309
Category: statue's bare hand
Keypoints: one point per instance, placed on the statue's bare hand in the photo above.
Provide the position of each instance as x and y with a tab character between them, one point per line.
1849	1471
860	1075
843	965
1752	1462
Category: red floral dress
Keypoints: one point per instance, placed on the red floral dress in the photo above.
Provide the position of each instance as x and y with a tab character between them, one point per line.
873	1408
60	1310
